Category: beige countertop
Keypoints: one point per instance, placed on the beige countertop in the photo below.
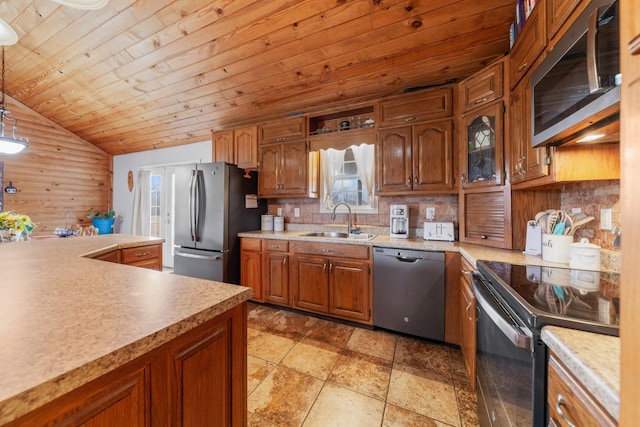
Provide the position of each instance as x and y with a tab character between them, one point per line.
591	358
67	319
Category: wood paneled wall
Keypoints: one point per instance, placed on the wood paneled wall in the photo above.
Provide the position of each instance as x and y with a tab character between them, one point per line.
58	172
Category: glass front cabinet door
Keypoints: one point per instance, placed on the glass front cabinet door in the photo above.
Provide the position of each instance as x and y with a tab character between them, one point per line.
482	142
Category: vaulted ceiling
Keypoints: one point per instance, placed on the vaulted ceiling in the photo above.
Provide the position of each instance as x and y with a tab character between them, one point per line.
144	74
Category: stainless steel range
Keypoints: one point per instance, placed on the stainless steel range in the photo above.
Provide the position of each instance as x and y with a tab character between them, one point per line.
514	303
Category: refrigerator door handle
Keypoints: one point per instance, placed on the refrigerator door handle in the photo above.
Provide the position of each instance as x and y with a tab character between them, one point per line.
204	257
192	207
198	199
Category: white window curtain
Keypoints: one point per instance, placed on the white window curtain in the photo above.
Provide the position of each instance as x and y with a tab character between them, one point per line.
331	162
142	205
363	154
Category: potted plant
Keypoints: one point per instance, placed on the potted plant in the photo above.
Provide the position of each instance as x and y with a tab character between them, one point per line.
103	222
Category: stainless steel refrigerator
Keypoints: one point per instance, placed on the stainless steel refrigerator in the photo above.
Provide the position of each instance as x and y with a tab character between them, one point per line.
213	203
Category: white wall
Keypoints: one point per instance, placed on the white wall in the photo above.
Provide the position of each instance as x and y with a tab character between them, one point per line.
200	152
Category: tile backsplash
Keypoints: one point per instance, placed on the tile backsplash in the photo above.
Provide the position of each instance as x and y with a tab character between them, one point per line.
589	196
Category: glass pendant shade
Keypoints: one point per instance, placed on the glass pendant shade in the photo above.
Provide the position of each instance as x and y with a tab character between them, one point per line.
7	34
83	4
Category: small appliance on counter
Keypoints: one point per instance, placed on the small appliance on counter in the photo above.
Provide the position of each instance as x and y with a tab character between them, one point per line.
399	221
441	231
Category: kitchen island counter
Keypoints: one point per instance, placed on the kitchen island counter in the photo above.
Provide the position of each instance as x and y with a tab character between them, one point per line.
68	319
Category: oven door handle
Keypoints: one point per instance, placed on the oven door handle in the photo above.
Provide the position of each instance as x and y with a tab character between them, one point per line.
512	332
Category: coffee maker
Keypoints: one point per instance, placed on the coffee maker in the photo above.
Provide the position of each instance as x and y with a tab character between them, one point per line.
399	221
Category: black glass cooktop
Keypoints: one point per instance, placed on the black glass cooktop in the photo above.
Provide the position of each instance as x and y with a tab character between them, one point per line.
580	299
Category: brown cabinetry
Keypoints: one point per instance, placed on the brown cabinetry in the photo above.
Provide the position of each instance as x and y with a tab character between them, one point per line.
416	107
570	404
481	159
223	147
452	320
487	218
482	88
276	272
251	266
289	129
468	316
245	142
530	43
558	12
416	158
283	169
198	378
332	279
148	256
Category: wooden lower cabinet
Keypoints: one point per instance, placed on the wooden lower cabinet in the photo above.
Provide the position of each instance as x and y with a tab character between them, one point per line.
332	279
251	266
197	379
452	320
276	272
468	316
148	256
570	404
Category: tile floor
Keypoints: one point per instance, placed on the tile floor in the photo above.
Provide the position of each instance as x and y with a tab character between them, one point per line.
305	371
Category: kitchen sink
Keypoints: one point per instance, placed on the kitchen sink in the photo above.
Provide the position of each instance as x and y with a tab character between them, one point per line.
338	235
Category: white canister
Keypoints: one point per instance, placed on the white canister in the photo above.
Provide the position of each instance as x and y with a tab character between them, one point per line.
278	223
584	255
555	247
267	222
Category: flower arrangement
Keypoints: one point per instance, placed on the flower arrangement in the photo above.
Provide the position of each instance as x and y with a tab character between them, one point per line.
19	226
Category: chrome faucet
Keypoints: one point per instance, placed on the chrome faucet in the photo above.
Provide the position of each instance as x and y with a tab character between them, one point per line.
333	215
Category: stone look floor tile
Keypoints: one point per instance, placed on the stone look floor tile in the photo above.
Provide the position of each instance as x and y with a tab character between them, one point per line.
292	325
374	343
468	407
330	332
425	392
257	371
262	316
284	397
423	355
269	347
362	373
398	417
337	407
312	357
255	421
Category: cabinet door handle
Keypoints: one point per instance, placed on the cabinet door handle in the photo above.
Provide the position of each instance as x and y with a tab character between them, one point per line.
330	267
462	178
465	272
484	236
324	268
409	119
466	310
143	254
275	246
560	403
327	250
415	180
478	101
284	262
408	180
522	67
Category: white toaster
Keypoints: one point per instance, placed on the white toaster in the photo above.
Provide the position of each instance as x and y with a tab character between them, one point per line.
439	231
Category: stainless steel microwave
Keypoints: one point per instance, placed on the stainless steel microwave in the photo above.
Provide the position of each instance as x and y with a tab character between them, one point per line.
576	88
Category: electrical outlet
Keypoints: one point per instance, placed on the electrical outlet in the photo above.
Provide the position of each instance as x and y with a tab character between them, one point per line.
575	210
431	214
296	212
605	219
279	211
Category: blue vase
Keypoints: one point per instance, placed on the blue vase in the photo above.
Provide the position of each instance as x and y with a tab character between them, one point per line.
104	225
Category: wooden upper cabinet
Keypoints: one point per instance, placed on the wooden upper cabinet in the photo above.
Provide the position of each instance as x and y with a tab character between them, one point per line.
415	158
481	146
482	88
558	12
223	147
530	44
246	147
283	169
288	129
424	105
526	162
394	166
433	156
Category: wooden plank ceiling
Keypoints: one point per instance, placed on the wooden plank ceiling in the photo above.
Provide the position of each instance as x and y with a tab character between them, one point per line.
144	74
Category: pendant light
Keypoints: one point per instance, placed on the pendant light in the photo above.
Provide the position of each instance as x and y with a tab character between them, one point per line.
83	4
9	144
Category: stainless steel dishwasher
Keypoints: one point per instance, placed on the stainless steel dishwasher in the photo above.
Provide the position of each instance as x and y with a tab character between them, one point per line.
408	291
